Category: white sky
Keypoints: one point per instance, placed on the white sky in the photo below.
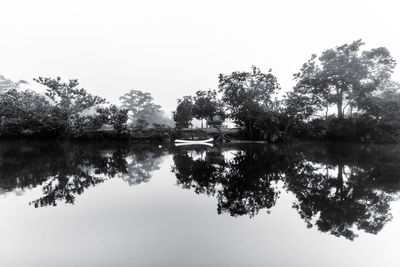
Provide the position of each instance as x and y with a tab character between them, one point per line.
173	48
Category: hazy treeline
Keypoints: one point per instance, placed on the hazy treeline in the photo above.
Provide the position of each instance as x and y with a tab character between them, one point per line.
65	110
345	93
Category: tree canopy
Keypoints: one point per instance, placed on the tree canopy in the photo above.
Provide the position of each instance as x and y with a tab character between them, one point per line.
143	109
67	96
344	76
184	112
247	95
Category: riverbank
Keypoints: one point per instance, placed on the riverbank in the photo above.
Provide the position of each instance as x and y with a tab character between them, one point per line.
314	132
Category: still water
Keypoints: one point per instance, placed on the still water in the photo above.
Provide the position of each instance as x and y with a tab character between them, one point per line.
118	204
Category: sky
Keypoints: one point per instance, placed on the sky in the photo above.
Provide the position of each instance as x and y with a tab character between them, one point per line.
174	48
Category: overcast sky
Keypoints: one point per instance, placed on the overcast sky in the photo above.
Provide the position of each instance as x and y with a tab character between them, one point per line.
173	48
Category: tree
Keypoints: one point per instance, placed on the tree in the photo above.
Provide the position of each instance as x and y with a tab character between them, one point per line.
344	76
70	101
205	105
26	112
113	116
299	105
184	112
138	102
247	95
6	84
143	109
67	96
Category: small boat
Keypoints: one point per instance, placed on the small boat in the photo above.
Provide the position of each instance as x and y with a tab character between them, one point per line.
196	144
194	141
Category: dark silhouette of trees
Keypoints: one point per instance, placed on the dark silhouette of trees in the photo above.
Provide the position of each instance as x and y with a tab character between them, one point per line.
248	96
344	76
184	112
242	185
66	170
206	105
68	97
337	192
336	189
27	113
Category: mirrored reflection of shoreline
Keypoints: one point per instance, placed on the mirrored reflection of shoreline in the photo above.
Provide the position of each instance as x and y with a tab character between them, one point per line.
65	170
339	188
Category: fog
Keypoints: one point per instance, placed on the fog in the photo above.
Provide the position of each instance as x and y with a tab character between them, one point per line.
173	48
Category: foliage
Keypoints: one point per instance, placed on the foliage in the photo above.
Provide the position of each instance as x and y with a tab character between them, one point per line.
184	112
247	95
7	84
113	116
67	97
28	113
343	76
136	100
141	107
64	111
206	105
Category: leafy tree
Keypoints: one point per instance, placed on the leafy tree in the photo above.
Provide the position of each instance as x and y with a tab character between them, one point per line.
301	106
70	101
206	105
138	102
344	76
247	95
118	118
142	108
6	84
384	107
113	116
67	96
27	112
184	112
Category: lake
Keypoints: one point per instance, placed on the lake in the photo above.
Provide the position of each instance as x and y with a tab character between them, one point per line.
120	204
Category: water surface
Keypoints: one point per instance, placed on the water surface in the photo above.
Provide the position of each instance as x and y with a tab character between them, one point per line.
119	204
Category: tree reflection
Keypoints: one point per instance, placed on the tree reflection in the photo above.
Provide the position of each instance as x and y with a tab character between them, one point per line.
65	170
243	184
336	206
341	189
141	164
336	188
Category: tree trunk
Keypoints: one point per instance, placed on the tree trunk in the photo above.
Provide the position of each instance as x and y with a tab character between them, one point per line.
339	107
201	123
339	102
339	185
326	112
